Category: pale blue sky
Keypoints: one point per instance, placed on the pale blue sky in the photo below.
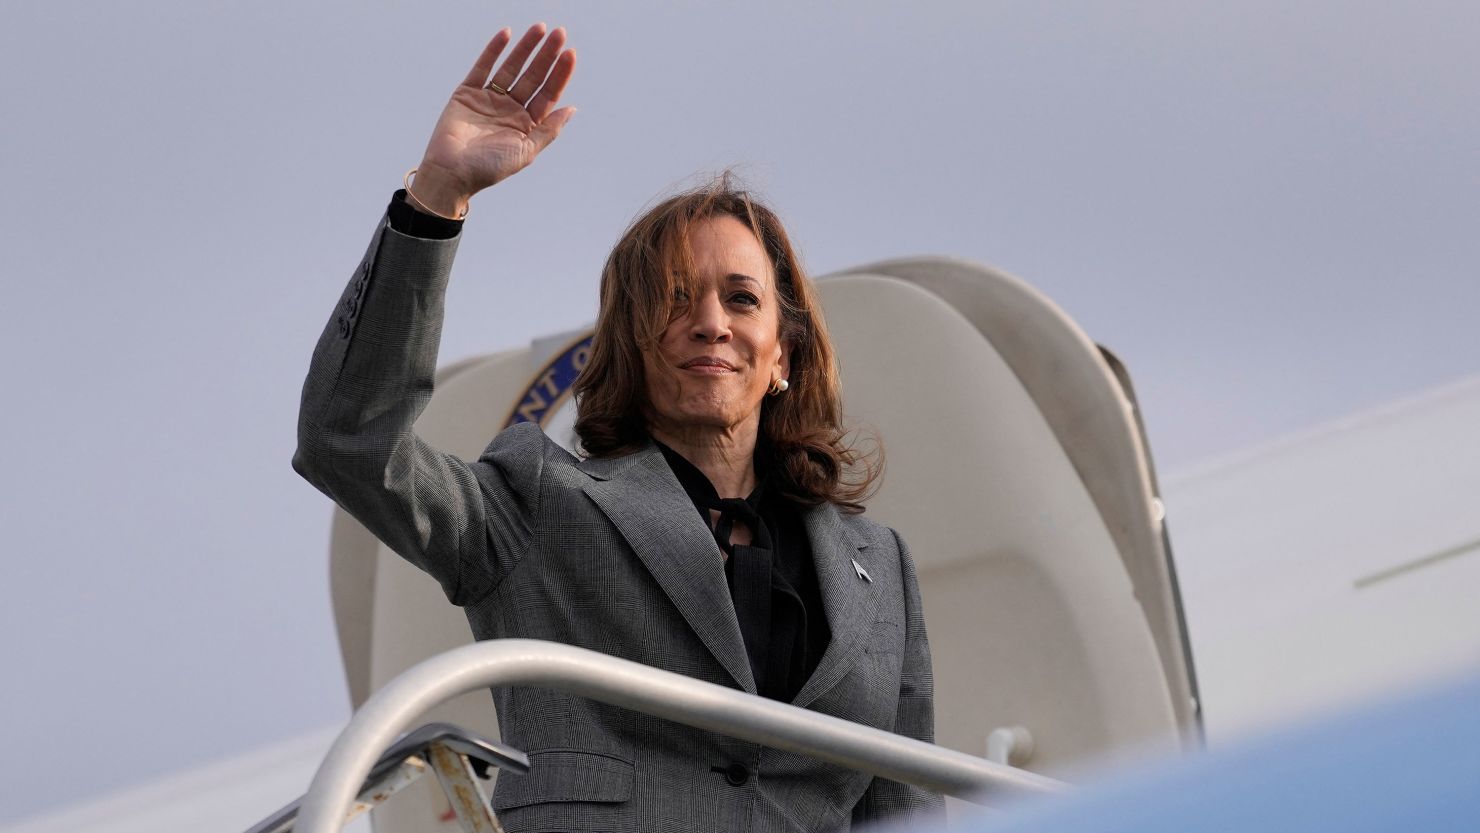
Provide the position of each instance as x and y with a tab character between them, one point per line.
1268	209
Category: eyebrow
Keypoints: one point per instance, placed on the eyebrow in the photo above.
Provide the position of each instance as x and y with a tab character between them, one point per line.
736	277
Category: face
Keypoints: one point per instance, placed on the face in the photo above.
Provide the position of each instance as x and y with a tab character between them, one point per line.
716	359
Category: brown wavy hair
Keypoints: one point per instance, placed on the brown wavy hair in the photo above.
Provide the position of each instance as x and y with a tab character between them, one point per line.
816	460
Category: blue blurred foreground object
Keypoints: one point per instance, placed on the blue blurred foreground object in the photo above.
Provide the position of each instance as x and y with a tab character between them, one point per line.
1408	765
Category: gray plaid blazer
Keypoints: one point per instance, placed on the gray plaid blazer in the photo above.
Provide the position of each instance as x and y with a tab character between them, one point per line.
605	554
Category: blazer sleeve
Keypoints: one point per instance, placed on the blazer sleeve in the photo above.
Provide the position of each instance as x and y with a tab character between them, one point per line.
370	378
915	718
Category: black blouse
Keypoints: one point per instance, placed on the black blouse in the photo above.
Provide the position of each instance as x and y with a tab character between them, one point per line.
772	580
413	223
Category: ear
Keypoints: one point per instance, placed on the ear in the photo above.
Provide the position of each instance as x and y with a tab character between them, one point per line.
783	365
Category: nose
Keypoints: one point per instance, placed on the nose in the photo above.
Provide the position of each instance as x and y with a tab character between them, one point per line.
709	322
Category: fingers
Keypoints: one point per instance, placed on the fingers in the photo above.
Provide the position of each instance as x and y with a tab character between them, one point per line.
478	75
565	66
545	132
506	74
535	73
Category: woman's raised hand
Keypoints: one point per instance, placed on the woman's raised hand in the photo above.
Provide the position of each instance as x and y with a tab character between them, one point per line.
495	125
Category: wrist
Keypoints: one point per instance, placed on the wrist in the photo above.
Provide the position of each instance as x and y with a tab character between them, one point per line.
432	192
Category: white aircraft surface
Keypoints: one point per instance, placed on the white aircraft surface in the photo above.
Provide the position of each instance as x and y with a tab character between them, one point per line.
1331	567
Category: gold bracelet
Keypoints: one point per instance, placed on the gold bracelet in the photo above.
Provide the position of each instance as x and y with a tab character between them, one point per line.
406	181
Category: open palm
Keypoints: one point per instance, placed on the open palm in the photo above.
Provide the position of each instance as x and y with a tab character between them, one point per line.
495	126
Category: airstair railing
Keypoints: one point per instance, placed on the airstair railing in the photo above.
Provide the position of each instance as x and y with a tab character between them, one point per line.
459	758
401	702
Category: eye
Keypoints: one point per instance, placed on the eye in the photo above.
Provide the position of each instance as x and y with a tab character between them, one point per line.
745	299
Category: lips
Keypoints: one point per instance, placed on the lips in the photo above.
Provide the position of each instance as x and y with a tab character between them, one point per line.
707	364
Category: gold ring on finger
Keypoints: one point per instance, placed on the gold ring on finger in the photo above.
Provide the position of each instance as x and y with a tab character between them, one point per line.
496	88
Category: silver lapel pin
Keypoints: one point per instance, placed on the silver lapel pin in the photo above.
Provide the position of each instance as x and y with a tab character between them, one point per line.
862	573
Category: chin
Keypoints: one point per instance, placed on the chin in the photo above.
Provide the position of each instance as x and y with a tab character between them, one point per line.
718	415
709	418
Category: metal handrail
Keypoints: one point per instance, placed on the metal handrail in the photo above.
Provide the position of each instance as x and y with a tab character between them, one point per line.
482	753
529	662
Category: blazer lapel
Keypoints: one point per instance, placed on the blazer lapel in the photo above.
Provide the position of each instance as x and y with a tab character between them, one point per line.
644	500
845	596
